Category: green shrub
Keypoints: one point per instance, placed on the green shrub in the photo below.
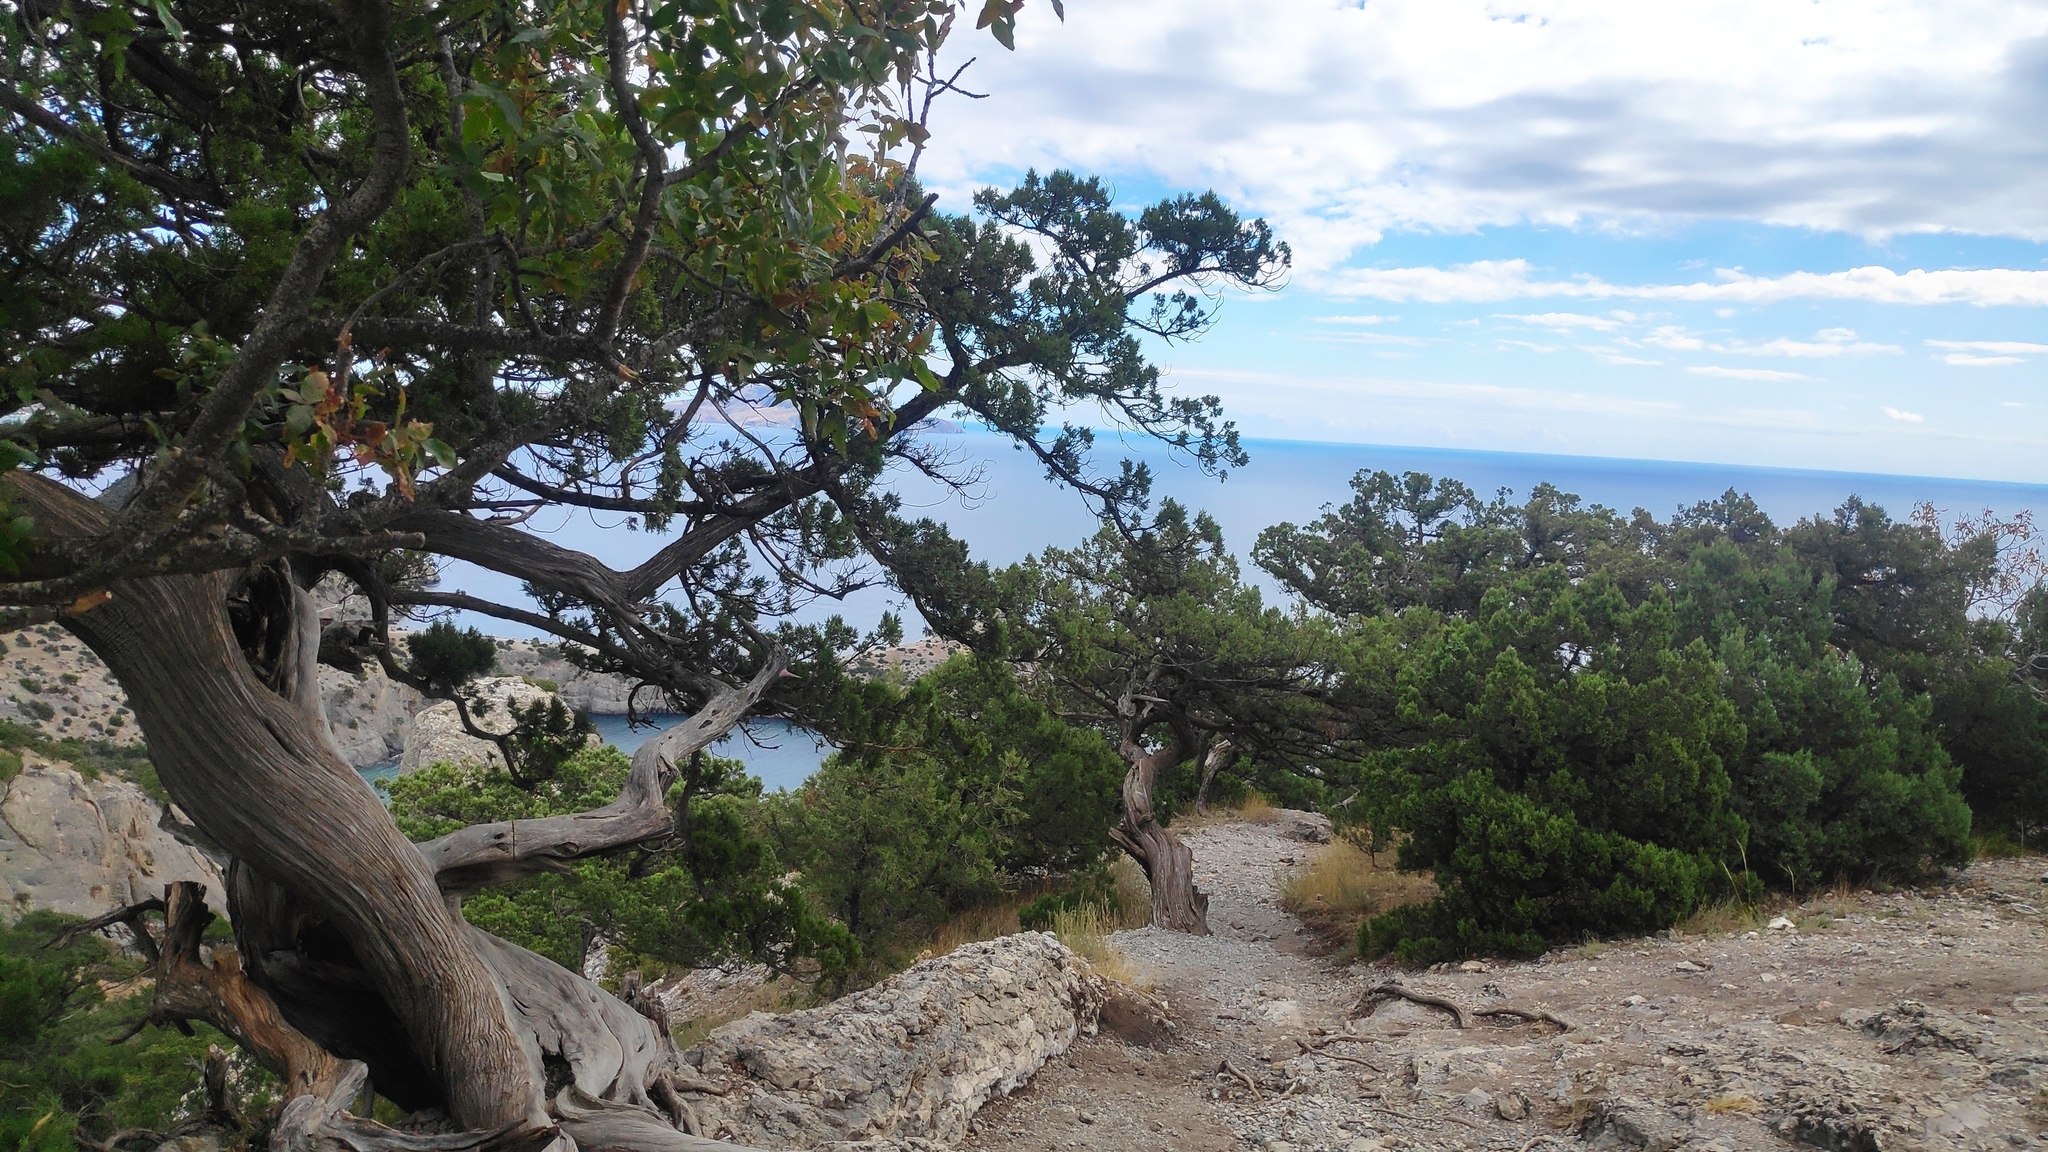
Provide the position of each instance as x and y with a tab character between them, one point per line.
714	893
63	1082
1521	877
1095	888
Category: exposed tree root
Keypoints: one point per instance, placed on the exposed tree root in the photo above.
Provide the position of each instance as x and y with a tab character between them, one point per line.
1394	989
1533	1016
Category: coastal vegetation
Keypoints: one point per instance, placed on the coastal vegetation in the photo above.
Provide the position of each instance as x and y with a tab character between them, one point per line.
301	297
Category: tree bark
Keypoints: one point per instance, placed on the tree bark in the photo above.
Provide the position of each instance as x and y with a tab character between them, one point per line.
1219	754
257	773
1177	905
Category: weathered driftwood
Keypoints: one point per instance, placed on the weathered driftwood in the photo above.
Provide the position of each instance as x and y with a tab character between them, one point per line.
350	938
1169	865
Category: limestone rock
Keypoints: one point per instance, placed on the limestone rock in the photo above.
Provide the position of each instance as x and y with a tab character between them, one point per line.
436	733
1620	1124
1910	1026
1312	827
369	714
87	846
51	682
912	1057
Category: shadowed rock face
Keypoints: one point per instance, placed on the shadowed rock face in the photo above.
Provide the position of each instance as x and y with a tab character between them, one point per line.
86	846
913	1057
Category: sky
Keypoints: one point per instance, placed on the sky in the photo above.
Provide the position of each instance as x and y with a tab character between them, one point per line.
1792	233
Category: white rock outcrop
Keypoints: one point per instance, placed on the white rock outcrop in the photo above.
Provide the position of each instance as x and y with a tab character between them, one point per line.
911	1058
436	733
368	714
87	846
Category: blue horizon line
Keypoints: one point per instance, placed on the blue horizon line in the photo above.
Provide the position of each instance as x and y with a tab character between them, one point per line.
1117	433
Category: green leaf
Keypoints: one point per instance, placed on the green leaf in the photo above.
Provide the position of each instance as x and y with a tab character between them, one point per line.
171	25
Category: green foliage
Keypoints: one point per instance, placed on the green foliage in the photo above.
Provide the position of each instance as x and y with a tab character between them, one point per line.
889	845
91	757
1587	725
943	792
1095	888
445	657
63	1083
715	893
1160	619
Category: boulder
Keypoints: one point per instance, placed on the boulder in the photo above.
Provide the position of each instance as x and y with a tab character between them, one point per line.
909	1059
85	847
1310	827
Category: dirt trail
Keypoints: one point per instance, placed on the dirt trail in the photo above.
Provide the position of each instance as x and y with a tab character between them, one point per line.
1914	1020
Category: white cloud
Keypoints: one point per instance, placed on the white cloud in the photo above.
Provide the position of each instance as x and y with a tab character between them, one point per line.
1565	321
1527	345
1606	356
1969	361
1340	120
1370	338
1827	342
1675	338
1746	373
2001	347
1356	319
1908	417
1486	281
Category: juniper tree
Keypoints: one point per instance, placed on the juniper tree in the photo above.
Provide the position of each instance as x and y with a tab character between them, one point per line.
1148	633
309	290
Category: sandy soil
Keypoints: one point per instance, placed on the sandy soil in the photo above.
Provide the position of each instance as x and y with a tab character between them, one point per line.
1910	1020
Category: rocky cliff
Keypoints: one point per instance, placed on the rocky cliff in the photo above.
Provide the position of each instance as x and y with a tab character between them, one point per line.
83	846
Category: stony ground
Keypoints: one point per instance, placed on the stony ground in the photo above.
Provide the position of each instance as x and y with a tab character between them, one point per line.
1910	1020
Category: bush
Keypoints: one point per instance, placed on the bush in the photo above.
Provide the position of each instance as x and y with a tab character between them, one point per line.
63	1082
1098	888
715	893
1522	877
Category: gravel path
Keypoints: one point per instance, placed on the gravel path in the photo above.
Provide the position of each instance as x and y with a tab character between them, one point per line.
1911	1020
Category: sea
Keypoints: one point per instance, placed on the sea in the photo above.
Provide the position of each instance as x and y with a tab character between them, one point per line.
999	501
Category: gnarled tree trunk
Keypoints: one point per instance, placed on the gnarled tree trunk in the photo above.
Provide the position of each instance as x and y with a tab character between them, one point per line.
354	932
1177	904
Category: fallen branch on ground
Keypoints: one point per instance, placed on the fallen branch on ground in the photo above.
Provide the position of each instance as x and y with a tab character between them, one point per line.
1319	1050
1234	1070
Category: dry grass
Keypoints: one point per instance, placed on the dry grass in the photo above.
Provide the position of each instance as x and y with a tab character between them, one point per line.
1133	893
780	995
1734	1102
984	923
1343	886
1255	809
1086	930
1133	909
1725	918
1996	845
